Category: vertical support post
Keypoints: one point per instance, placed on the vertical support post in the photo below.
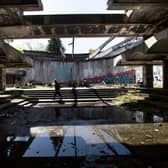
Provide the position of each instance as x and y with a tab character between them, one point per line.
73	40
78	73
165	74
148	76
2	79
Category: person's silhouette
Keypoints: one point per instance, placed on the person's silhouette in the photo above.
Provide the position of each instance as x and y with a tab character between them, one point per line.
57	91
74	93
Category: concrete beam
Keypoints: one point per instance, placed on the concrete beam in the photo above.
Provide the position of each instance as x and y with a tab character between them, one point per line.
70	19
27	5
138	63
158	43
87	30
81	25
75	19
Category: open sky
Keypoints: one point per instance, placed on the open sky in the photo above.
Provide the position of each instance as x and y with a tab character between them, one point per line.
82	45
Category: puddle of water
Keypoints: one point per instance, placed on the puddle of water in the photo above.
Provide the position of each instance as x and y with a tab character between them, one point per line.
100	140
41	147
98	144
75	135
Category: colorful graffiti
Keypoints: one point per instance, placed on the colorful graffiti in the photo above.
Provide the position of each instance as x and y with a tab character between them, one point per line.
119	78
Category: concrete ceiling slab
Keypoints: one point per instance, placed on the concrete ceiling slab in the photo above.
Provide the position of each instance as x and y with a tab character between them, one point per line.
26	5
133	4
139	56
160	47
143	11
10	57
142	22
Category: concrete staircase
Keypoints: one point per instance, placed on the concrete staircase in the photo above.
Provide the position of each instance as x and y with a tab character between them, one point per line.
83	95
8	103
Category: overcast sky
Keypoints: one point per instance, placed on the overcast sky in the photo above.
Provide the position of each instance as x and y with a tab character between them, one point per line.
82	45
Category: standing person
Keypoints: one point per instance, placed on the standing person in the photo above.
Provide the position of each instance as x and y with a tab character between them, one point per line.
74	93
57	90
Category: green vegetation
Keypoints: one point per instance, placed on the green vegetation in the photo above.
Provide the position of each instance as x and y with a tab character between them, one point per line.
131	98
55	46
134	101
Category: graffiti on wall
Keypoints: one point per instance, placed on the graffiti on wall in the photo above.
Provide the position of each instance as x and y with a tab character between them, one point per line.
119	78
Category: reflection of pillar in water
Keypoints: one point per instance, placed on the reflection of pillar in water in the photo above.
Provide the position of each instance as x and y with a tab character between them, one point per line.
57	112
139	116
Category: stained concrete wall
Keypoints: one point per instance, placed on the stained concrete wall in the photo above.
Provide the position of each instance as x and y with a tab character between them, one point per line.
98	68
46	71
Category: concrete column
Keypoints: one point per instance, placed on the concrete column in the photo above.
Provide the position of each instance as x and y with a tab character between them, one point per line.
148	76
78	73
165	74
2	79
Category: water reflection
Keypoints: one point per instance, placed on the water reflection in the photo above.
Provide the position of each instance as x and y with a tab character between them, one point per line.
41	147
141	117
73	134
93	143
67	141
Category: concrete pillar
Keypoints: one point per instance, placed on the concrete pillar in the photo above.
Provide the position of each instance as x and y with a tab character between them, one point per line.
2	79
78	73
148	76
165	74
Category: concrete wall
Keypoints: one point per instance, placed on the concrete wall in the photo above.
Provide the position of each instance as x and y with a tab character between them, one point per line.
46	71
98	68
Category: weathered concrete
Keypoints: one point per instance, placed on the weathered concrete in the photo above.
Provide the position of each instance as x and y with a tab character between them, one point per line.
148	76
10	57
128	4
140	23
2	79
47	70
138	63
158	43
29	5
79	26
145	11
165	74
151	51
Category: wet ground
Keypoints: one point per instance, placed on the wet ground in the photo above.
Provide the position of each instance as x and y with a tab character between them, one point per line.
106	137
120	145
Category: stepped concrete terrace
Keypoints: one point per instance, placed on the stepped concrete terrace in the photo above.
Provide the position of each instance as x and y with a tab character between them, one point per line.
84	96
